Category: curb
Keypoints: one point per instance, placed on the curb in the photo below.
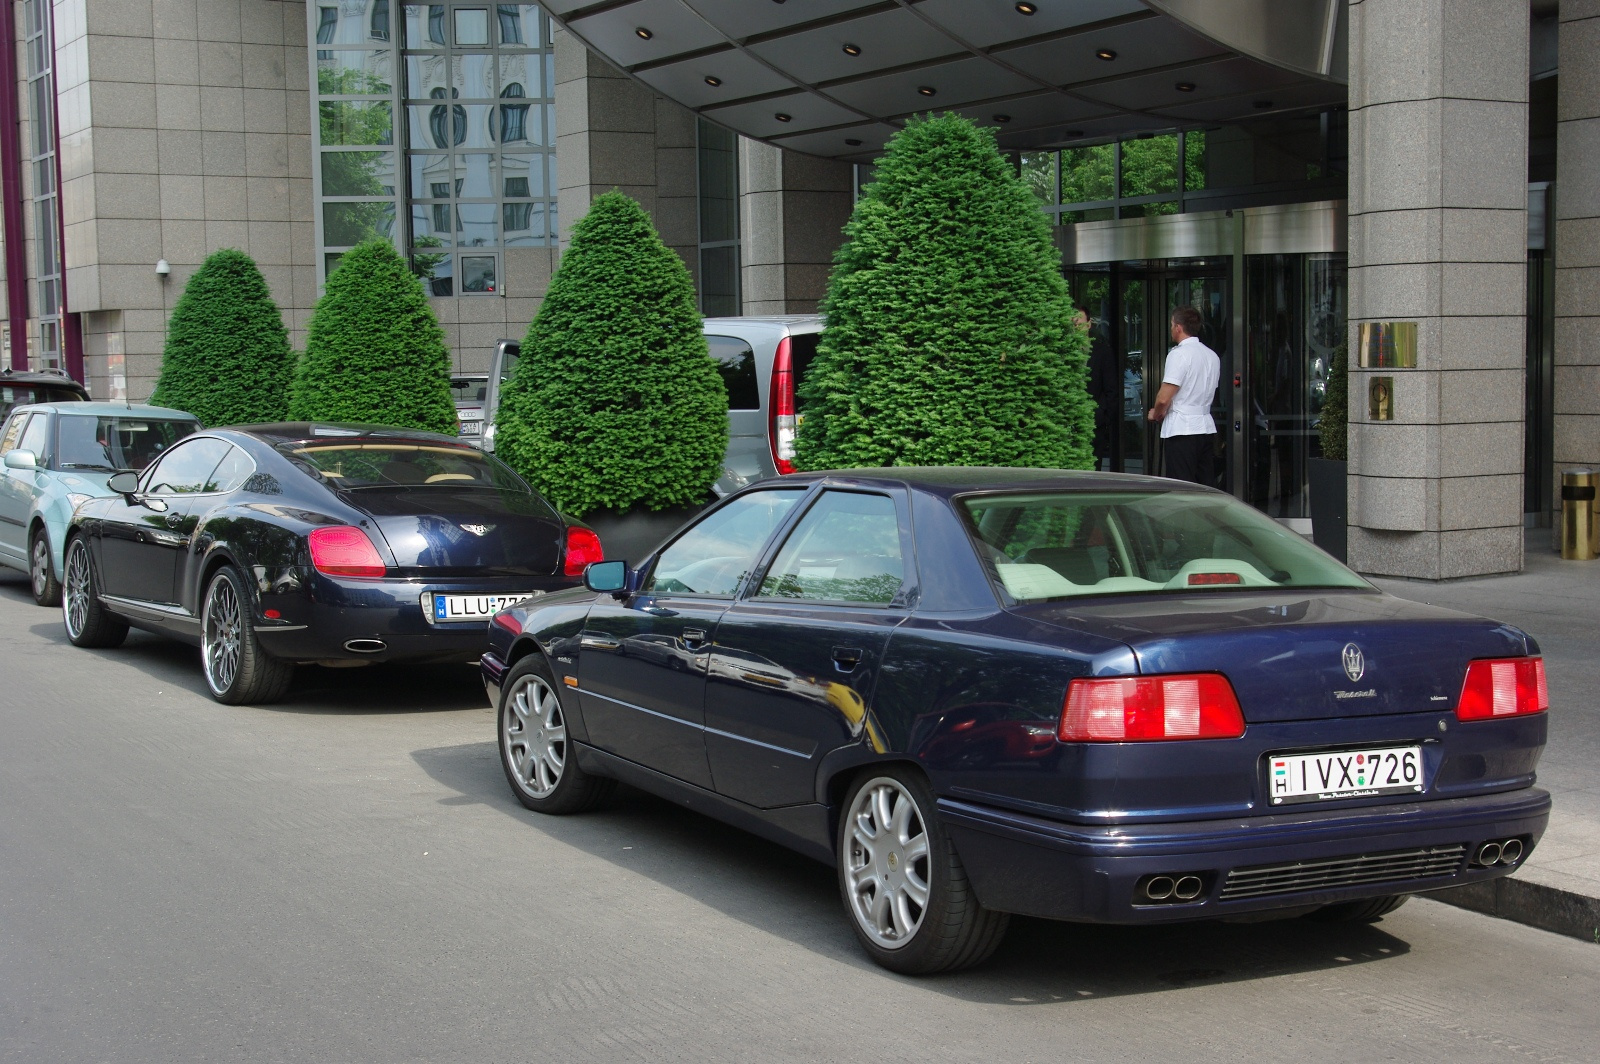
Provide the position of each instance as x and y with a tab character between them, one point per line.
1547	908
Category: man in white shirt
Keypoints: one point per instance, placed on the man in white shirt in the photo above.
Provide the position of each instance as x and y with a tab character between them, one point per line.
1183	406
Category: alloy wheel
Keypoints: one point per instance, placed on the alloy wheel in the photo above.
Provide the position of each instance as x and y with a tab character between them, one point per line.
887	865
40	567
534	736
78	588
220	635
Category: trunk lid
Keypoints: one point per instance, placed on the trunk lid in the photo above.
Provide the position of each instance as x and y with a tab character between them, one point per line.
1285	653
440	532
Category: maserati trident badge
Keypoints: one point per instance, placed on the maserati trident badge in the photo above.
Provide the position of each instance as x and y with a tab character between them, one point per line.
1355	665
484	530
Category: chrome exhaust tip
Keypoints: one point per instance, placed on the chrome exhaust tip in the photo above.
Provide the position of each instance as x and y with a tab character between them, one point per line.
1159	888
1187	888
1511	851
366	646
1489	854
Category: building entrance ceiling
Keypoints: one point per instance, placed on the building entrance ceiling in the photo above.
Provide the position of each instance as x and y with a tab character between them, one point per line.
836	78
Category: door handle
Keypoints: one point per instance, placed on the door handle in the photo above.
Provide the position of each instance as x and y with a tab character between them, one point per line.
694	638
845	659
174	519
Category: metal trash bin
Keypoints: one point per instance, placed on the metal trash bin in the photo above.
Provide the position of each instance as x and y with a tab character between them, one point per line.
1580	518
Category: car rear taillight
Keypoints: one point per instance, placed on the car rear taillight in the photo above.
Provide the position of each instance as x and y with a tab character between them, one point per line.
780	397
506	620
1144	708
344	550
1507	687
583	547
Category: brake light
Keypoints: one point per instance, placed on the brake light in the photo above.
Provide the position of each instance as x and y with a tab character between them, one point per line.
344	550
1144	708
507	621
1203	579
583	547
780	397
1503	688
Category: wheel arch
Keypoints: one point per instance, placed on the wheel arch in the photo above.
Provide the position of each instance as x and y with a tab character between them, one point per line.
835	779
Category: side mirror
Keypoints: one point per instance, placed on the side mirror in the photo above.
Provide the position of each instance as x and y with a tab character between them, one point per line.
123	483
20	459
611	577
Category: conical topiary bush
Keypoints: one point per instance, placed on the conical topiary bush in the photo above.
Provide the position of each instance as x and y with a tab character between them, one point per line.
950	338
616	402
374	351
227	359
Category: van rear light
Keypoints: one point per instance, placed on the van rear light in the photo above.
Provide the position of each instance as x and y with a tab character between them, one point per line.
780	398
344	550
583	547
1506	687
1198	705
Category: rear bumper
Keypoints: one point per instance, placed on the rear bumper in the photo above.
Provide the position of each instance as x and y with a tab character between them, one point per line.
1038	867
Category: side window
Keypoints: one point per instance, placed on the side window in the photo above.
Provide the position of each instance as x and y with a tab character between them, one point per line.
8	442
187	468
33	437
234	470
845	549
737	364
714	556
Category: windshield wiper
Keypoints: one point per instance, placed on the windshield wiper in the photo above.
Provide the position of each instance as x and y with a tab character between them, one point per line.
95	466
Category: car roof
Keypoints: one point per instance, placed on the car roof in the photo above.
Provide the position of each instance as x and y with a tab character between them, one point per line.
957	480
60	380
287	432
781	324
98	409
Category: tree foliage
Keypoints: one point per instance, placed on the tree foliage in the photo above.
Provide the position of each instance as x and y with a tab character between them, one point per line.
616	402
1334	425
374	351
950	337
227	359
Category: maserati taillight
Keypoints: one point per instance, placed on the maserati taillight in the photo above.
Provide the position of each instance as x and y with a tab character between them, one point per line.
1146	708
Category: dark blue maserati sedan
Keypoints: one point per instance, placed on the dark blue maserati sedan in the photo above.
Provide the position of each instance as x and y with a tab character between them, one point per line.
1082	696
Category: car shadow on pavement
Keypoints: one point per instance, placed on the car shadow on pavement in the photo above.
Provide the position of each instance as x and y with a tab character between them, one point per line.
780	892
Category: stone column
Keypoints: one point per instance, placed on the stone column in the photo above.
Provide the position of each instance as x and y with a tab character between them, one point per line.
1438	236
792	210
1577	242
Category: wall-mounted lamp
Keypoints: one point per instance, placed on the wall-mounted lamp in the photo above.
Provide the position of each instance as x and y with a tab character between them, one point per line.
163	268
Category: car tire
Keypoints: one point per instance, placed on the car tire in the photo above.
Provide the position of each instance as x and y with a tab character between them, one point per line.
89	623
535	752
41	572
1364	911
238	672
907	893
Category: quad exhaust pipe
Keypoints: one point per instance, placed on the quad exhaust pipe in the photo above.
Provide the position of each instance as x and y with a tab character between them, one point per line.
1176	887
1499	852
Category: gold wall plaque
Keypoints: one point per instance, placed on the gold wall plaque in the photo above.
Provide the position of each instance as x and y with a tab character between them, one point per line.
1388	345
1380	399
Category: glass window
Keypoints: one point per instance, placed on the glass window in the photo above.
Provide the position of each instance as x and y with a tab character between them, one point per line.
348	224
1038	170
349	122
110	444
234	469
737	364
358	173
8	442
386	465
714	556
519	25
187	468
1088	174
478	271
1150	165
1042	546
33	437
369	72
424	26
845	549
472	27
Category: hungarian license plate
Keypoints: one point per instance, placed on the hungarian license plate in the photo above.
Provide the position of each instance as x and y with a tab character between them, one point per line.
444	609
1344	774
471	428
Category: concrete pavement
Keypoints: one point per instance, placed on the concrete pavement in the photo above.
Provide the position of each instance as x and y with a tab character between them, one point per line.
1558	603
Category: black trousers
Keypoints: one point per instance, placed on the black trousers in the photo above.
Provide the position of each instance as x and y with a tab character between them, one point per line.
1192	458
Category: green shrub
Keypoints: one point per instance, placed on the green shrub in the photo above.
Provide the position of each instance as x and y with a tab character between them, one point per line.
374	351
616	402
950	336
1334	426
227	359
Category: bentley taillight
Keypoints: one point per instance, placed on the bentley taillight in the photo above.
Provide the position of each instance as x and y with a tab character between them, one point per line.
1126	709
344	550
1506	687
583	547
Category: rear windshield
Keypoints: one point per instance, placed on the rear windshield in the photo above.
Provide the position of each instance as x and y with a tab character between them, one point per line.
22	394
1043	546
410	465
109	444
469	389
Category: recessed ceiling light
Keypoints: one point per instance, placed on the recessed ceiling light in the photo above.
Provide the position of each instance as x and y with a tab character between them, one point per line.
926	90
780	116
1027	9
713	81
1105	53
1002	119
853	142
852	49
643	34
1184	86
1261	105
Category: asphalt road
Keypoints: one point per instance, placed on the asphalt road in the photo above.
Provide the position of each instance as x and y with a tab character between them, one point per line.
345	877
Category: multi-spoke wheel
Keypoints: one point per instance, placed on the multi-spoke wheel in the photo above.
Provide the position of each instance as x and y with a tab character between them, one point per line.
534	749
89	623
237	669
903	883
46	588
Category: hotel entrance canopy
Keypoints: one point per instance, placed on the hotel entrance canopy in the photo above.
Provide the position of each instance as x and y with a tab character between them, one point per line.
836	78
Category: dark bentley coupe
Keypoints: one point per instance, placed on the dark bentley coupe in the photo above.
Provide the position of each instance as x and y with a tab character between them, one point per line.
1081	696
271	545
